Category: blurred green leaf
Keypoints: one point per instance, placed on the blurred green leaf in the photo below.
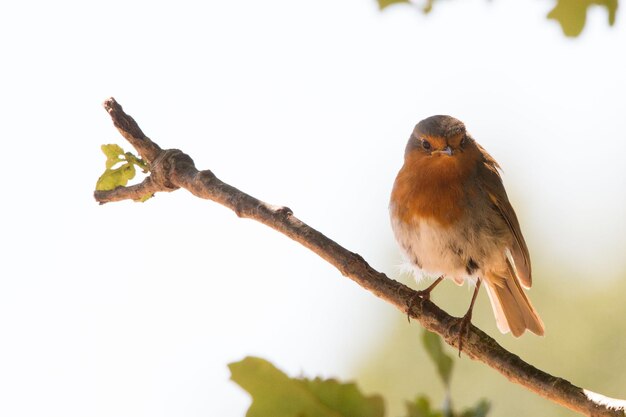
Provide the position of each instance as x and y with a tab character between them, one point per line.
346	398
274	394
385	3
421	408
443	361
428	4
572	14
479	410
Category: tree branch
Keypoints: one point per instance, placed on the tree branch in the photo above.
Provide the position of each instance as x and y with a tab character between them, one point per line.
171	169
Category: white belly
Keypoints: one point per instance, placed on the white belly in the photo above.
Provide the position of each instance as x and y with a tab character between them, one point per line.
435	251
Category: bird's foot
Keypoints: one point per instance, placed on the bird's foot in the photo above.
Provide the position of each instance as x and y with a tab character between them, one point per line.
464	323
466	320
421	294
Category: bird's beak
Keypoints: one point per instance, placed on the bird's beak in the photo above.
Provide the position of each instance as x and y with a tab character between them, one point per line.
447	151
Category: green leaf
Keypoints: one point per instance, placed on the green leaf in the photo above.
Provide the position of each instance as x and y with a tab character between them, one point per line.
421	408
479	410
345	398
434	348
572	14
137	161
117	177
113	153
274	394
112	150
428	4
386	3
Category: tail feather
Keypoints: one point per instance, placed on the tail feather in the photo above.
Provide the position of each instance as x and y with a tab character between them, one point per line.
512	308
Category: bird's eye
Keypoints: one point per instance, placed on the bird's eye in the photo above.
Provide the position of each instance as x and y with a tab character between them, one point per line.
426	144
463	141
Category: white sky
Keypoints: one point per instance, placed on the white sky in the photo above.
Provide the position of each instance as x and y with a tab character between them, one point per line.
136	309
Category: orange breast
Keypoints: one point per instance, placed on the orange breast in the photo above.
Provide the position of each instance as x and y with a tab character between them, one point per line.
431	188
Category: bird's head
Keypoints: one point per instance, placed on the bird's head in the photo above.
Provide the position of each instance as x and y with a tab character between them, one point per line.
440	144
439	136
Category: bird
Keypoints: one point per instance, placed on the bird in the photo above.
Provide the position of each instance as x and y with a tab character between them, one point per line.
452	219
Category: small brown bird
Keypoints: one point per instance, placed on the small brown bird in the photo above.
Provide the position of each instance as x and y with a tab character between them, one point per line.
452	218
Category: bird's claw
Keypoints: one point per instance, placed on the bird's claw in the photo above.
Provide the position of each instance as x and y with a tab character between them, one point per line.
421	294
464	323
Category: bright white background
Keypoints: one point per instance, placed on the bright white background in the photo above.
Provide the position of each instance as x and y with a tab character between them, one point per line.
136	309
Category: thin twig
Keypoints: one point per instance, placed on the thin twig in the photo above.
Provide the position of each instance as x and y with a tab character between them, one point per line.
171	169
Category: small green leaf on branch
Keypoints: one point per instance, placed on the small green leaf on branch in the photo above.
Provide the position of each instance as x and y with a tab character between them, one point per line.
119	177
144	198
113	153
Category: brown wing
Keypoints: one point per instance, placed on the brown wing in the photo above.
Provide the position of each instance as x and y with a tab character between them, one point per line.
493	185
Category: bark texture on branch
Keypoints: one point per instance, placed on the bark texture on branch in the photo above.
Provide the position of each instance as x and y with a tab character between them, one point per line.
172	169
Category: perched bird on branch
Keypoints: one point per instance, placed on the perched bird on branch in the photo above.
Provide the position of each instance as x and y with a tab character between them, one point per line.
452	218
